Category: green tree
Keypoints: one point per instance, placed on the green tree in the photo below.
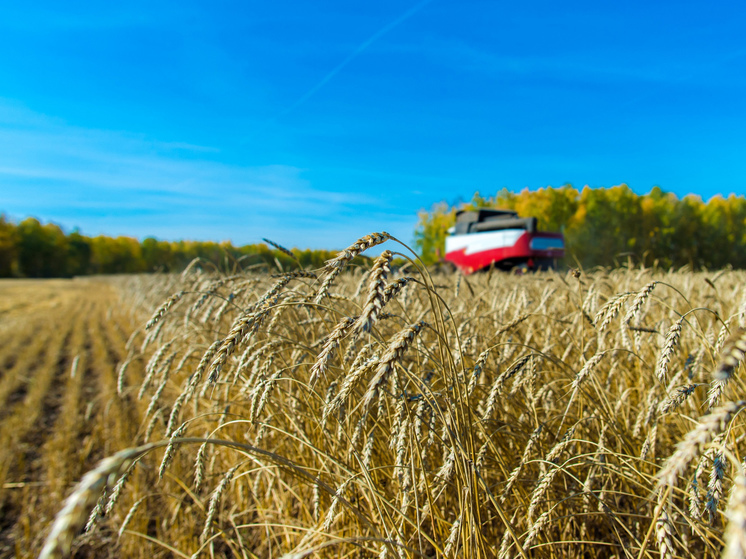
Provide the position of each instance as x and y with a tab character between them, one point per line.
157	255
7	247
552	207
432	229
78	257
601	225
606	226
120	255
41	249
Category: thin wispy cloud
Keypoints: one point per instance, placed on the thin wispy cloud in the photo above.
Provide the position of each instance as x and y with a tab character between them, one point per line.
587	65
355	53
128	185
147	119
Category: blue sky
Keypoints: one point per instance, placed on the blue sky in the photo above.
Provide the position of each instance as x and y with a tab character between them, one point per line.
314	123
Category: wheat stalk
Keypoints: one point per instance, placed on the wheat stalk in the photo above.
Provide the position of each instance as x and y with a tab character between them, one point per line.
332	342
117	491
281	249
664	535
540	524
153	366
639	301
335	265
164	308
332	512
394	288
733	353
215	501
170	449
715	486
75	510
672	340
239	331
199	467
130	515
393	353
710	426
676	399
612	307
499	383
453	536
735	533
513	477
376	287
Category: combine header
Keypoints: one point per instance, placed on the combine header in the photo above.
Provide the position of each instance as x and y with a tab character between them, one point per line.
482	238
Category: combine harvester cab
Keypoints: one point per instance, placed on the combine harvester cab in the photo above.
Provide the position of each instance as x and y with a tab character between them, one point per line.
482	238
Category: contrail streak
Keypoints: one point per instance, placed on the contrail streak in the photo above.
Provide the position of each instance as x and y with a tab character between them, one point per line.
364	45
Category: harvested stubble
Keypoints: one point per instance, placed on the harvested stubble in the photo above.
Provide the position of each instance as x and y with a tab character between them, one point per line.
498	420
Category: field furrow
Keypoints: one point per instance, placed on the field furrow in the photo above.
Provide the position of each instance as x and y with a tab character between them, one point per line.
25	362
27	422
50	432
12	344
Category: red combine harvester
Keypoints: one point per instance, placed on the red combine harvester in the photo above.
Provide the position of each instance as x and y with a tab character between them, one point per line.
482	238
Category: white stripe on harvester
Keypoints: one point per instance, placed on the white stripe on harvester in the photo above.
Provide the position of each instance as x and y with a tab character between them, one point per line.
479	242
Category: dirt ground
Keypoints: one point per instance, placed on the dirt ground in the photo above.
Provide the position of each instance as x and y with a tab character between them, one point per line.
60	342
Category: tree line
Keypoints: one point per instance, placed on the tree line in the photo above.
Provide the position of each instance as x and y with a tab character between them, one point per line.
30	249
607	226
602	227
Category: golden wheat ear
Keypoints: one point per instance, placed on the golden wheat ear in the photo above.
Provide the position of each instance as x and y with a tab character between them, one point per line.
282	249
76	509
732	354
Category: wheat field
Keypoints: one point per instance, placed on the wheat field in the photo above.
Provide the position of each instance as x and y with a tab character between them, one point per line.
374	411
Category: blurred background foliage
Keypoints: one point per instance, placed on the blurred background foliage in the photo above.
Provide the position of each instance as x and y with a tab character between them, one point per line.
30	249
608	226
602	227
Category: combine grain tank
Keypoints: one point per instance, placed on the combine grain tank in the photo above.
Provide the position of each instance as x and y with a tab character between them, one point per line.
483	237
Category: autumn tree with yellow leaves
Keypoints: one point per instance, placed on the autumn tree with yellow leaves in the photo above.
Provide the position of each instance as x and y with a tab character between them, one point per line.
608	226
